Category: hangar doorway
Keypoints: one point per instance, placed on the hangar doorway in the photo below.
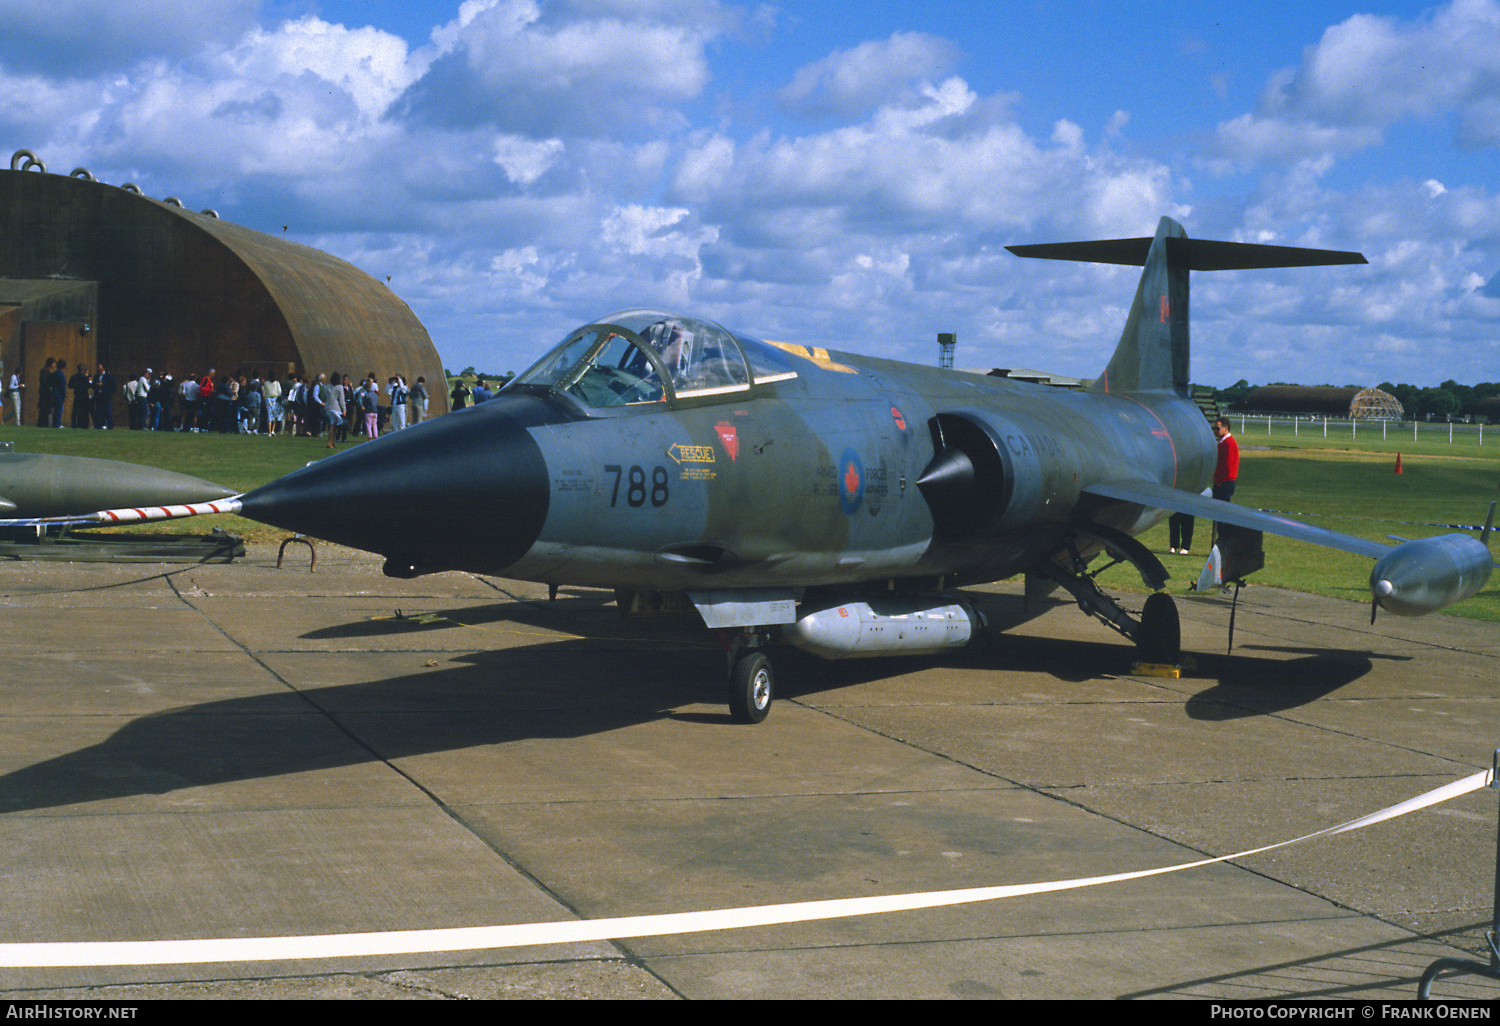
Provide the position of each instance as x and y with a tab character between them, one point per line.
53	340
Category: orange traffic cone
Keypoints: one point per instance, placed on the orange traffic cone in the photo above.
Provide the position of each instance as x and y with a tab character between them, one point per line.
1398	463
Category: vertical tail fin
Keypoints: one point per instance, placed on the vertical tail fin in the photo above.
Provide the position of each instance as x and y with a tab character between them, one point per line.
1153	352
1152	355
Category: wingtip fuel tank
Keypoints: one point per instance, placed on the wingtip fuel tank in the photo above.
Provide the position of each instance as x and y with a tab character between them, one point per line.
1427	574
38	485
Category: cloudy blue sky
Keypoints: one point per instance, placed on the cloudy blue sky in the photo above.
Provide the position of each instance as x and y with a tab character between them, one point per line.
838	173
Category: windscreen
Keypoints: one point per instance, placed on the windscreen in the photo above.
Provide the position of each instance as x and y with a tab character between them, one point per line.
643	356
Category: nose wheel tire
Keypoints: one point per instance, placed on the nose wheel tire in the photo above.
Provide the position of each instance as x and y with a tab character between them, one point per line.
750	687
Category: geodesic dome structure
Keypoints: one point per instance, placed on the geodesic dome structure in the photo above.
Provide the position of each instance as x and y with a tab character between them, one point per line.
1373	404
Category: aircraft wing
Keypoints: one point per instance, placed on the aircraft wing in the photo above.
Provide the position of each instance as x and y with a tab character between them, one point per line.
1410	579
1157	496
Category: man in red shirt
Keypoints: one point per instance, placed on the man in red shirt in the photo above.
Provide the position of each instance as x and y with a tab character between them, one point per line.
1227	470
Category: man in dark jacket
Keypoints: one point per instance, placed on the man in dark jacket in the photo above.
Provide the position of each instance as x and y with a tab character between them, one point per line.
104	397
83	403
44	394
313	398
59	386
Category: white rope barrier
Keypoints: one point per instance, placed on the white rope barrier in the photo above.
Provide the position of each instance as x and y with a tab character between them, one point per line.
409	942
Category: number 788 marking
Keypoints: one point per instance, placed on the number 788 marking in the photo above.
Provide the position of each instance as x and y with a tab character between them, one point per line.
635	485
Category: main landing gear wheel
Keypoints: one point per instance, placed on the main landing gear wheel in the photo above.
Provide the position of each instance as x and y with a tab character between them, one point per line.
1159	639
750	684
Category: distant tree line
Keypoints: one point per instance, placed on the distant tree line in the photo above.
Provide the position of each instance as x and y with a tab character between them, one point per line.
469	375
1449	399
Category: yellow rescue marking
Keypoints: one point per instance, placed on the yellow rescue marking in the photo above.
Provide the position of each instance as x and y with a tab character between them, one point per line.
691	453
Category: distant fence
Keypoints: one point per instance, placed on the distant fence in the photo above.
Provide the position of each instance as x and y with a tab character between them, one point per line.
1272	424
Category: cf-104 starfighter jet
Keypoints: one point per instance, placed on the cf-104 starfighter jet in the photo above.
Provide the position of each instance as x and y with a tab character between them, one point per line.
803	496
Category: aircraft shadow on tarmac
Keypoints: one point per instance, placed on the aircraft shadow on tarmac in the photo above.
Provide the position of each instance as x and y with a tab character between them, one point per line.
561	689
583	611
600	674
1253	685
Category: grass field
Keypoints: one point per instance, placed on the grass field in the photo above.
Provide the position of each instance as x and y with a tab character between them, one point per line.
1339	483
1472	440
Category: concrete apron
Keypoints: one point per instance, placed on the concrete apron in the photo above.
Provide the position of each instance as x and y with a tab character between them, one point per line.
237	751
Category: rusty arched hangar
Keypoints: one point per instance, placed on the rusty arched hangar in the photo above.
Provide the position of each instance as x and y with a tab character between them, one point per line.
95	273
1323	400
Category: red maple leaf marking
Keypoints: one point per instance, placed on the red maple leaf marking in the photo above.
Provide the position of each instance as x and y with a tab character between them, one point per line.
851	480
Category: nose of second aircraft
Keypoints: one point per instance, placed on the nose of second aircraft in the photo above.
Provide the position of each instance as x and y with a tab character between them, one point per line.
463	491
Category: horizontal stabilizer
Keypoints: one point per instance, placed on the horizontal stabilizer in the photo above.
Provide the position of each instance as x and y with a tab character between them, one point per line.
1158	496
1195	254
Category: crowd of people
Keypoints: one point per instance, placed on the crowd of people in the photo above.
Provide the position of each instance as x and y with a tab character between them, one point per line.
464	394
225	403
336	404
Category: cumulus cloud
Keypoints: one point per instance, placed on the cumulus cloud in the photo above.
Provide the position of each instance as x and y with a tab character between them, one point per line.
850	83
659	231
519	67
306	97
370	66
1369	72
526	160
911	175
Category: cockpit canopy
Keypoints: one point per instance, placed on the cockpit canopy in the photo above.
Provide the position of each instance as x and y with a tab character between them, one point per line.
643	356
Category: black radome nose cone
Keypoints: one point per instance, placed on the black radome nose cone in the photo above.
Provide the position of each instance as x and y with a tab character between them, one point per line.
467	490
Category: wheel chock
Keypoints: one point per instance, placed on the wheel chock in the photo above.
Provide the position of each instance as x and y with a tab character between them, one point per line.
1172	670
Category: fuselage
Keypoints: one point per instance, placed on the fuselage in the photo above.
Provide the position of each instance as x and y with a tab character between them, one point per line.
813	481
806	477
